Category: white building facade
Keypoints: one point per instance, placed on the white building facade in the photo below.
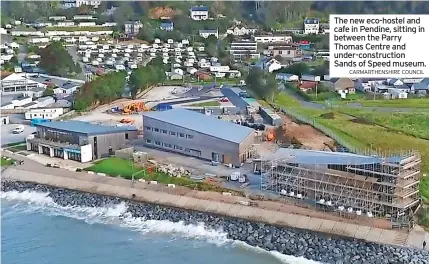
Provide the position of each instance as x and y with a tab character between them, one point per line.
311	26
44	113
273	38
199	13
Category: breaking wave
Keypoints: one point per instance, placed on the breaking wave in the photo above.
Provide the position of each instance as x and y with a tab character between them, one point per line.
117	214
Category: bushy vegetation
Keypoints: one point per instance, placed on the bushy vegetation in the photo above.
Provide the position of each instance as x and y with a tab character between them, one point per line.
144	77
262	84
55	60
103	89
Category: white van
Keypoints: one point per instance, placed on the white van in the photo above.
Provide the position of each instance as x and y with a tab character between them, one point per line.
18	130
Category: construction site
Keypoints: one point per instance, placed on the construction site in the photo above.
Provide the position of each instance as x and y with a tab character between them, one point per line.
354	186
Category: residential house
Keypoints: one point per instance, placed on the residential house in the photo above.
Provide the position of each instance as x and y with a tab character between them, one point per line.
77	3
84	17
66	89
397	94
57	18
241	31
307	86
132	27
395	82
287	77
203	76
310	78
199	13
174	76
324	28
272	38
421	88
44	101
342	85
44	113
311	26
268	64
368	84
286	51
240	49
167	25
205	33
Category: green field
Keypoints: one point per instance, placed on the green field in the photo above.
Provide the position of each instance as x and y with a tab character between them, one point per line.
422	103
116	167
411	123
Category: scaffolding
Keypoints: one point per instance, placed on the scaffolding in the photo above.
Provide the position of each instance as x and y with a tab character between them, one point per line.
387	188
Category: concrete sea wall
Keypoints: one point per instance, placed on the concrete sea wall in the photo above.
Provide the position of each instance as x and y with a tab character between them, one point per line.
289	241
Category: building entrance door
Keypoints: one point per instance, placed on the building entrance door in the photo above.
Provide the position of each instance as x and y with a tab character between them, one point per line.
216	157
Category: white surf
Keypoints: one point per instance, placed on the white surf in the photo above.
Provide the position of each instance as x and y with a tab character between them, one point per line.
117	214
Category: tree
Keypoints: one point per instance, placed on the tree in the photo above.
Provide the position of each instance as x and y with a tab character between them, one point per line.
297	69
55	60
49	91
144	77
101	90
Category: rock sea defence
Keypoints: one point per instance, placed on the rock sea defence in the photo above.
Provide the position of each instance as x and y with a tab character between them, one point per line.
289	241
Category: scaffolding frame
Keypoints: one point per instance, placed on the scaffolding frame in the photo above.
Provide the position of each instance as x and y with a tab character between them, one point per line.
387	189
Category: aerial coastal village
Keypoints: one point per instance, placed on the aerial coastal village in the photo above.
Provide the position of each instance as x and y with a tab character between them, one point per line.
217	104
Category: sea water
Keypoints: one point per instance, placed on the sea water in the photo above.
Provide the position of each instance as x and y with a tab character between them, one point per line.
37	230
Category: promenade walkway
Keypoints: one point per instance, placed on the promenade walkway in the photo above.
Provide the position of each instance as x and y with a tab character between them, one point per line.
204	202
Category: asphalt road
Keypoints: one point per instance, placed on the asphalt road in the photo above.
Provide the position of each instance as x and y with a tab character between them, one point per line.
72	50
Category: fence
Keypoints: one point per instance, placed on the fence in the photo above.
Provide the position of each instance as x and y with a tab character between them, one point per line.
323	129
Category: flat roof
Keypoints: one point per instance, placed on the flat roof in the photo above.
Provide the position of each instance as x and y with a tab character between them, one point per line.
310	157
201	123
82	127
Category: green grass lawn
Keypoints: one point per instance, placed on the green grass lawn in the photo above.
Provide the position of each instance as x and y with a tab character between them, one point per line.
421	103
211	103
120	167
116	167
5	162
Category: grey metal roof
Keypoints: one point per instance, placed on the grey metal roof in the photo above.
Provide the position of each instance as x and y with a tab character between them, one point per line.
234	98
201	123
82	127
310	157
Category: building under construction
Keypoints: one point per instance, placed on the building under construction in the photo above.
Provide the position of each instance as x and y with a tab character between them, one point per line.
353	185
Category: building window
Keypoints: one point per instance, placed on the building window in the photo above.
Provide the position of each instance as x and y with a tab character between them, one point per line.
172	133
189	136
195	152
126	135
181	135
187	150
164	131
167	145
148	141
156	129
148	128
157	143
178	147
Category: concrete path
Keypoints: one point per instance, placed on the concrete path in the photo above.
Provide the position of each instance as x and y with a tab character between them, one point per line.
217	203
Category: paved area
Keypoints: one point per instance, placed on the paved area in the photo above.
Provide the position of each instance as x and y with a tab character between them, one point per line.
205	202
8	137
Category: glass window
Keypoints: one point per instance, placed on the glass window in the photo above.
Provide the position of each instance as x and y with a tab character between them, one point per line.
156	129
148	128
189	136
167	145
148	141
172	133
157	143
181	135
164	131
178	147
